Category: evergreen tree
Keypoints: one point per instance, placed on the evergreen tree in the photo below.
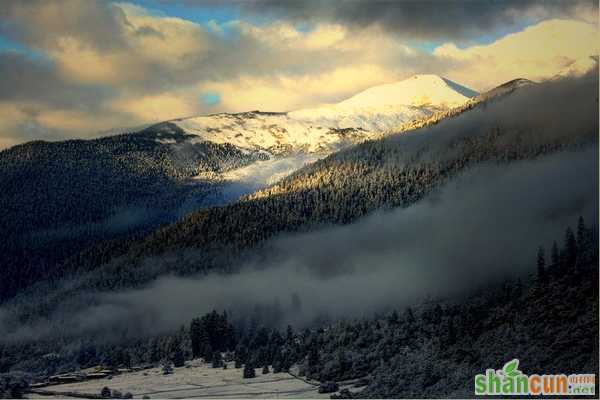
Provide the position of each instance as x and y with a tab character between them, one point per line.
555	255
178	358
581	232
167	368
541	264
451	333
518	288
394	319
570	249
105	392
409	316
195	337
217	360
265	369
313	361
241	355
277	363
249	371
289	335
583	241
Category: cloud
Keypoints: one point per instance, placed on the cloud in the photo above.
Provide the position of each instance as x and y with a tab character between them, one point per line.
483	225
387	260
536	53
425	20
89	66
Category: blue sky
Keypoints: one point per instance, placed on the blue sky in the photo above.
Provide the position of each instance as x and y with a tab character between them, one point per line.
196	14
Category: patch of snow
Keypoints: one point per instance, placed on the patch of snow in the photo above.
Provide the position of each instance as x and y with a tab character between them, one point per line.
197	379
419	90
370	113
260	174
293	139
166	141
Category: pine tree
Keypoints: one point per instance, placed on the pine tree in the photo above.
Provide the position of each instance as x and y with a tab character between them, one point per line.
217	360
313	361
583	251
518	288
555	256
570	249
451	334
289	335
409	316
241	354
277	363
394	319
167	369
581	232
249	371
105	392
195	337
541	264
178	358
265	369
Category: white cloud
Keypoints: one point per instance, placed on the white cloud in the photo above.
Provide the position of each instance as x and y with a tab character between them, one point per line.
539	52
151	66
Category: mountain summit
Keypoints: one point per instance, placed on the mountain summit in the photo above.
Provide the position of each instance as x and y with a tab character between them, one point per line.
385	107
419	90
366	115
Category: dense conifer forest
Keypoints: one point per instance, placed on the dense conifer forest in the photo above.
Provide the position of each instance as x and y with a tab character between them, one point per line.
427	349
80	192
433	348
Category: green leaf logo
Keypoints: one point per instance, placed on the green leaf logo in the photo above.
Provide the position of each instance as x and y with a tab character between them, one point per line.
510	368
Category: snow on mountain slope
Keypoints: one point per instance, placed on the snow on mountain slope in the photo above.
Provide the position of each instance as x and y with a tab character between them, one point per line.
417	91
275	133
505	88
385	107
325	129
290	140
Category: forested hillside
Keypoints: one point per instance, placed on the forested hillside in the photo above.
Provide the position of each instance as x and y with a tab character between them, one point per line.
88	199
549	320
58	197
396	172
392	172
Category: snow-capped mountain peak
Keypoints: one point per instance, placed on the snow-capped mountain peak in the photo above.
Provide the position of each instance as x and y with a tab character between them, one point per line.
366	115
419	90
385	107
289	140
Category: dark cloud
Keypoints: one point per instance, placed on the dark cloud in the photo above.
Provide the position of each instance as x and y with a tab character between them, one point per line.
421	19
43	24
25	79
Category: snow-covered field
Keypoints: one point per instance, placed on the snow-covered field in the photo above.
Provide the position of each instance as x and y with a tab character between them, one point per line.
195	380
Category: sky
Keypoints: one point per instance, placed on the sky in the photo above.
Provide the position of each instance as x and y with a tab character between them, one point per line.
80	68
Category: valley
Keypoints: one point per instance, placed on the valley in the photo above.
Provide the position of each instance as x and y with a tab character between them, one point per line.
299	199
197	380
362	206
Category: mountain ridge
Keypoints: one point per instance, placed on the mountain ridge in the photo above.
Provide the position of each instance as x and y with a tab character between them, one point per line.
154	176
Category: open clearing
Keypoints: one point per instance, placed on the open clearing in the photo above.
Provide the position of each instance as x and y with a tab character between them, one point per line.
195	380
